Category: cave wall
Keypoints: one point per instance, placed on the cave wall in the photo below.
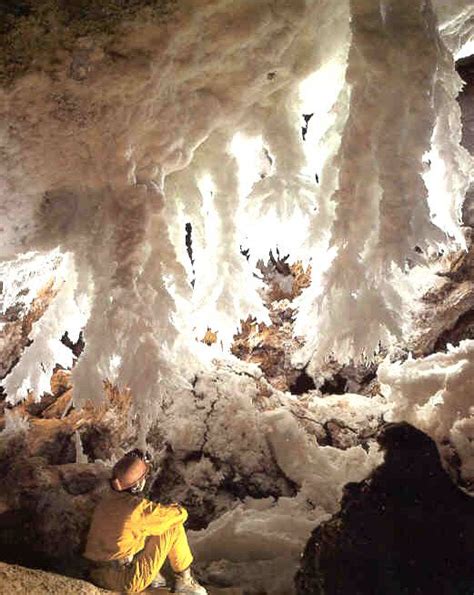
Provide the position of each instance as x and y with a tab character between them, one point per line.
120	130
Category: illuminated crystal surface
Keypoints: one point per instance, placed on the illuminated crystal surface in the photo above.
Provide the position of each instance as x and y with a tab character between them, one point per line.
150	164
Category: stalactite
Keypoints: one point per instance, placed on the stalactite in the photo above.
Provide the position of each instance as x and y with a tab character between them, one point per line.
381	212
112	170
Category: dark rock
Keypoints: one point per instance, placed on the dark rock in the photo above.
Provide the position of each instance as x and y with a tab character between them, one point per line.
302	384
462	329
340	436
465	68
406	529
80	478
46	511
76	347
17	539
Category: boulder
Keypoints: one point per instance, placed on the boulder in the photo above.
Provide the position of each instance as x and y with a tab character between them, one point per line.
16	579
406	529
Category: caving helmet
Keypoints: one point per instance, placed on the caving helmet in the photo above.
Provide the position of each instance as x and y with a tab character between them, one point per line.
129	471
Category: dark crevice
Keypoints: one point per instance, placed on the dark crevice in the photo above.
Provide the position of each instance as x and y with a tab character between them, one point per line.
76	347
189	248
189	242
336	385
268	156
245	252
462	329
210	413
304	128
302	384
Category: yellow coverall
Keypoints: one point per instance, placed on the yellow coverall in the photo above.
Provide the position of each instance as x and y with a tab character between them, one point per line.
127	526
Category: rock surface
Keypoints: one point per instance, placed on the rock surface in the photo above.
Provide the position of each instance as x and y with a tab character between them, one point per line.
406	529
24	581
272	346
49	489
447	309
16	579
17	325
465	69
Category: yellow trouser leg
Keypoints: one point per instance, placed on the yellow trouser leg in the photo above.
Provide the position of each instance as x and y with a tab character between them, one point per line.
172	544
146	565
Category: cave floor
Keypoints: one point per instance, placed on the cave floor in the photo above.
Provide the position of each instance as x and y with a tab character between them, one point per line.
210	590
29	581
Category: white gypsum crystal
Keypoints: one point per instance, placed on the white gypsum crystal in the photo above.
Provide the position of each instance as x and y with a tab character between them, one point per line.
434	393
381	210
110	170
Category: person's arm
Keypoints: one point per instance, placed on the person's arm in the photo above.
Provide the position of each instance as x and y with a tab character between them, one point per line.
156	519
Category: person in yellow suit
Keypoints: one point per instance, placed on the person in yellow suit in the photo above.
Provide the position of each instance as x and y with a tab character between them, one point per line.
130	537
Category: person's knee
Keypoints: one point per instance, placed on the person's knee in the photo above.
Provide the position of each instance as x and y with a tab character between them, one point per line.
177	529
168	536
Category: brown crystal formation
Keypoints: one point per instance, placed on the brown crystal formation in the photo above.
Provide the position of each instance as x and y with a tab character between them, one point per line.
448	312
210	337
272	346
53	421
14	335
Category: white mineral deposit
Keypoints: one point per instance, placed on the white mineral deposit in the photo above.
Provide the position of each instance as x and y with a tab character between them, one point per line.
151	162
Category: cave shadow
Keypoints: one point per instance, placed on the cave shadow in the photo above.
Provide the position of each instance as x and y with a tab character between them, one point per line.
406	529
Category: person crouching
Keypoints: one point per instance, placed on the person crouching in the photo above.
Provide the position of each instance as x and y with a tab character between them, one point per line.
130	537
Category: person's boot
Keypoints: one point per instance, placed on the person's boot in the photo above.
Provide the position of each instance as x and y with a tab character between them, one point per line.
187	585
158	582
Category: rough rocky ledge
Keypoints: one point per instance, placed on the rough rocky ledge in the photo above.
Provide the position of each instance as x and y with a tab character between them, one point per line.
20	580
17	579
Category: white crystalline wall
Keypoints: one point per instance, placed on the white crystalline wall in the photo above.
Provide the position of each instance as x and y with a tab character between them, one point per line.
435	394
402	86
256	543
112	167
200	121
111	170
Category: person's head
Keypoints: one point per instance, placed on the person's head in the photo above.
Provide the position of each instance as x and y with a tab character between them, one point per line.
130	473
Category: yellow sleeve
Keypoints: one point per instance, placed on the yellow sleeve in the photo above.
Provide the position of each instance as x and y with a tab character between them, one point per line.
156	519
